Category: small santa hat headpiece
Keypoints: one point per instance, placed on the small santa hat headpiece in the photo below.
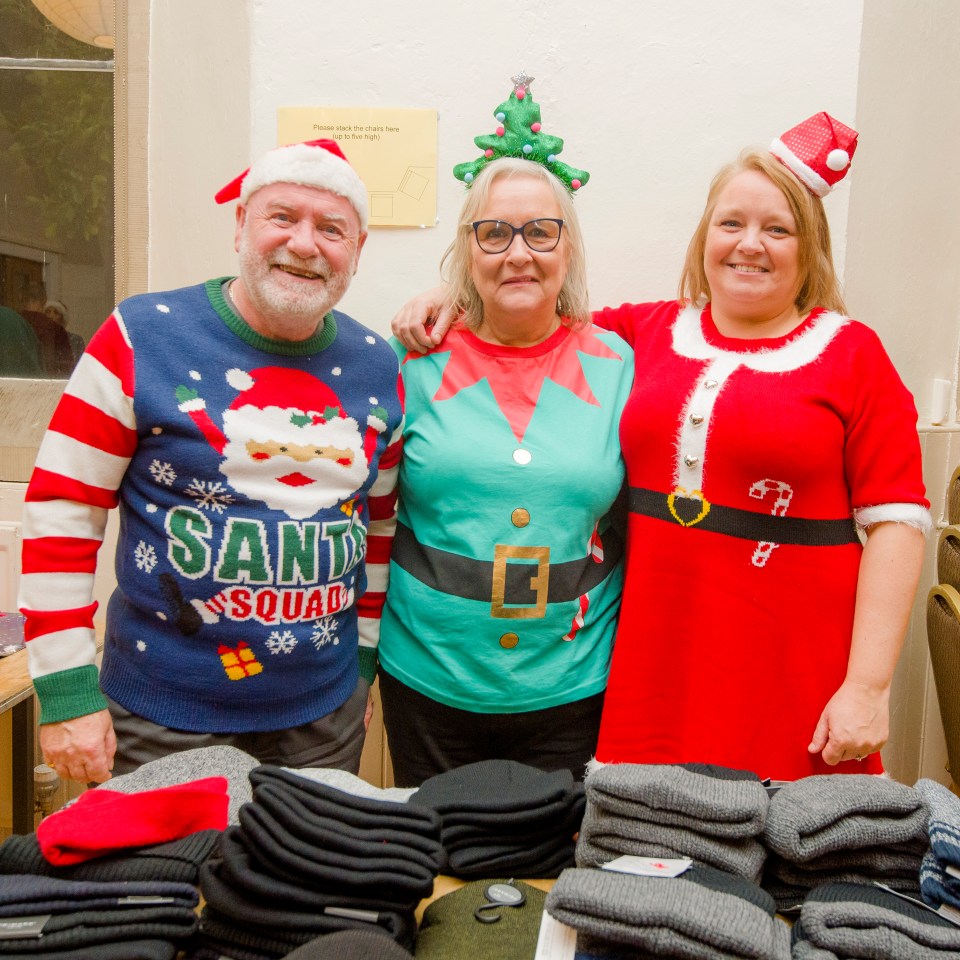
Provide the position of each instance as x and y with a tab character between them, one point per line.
818	151
314	163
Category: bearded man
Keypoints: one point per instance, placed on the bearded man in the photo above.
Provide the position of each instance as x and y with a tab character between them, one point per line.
250	435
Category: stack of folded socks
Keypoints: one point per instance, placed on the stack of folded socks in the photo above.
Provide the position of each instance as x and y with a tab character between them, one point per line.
503	817
80	919
707	813
308	858
850	921
703	913
940	870
844	828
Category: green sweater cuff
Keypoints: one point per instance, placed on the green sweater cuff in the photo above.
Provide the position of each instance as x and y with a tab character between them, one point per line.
69	693
368	663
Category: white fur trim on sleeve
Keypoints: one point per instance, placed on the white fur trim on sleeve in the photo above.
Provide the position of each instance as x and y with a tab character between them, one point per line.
911	514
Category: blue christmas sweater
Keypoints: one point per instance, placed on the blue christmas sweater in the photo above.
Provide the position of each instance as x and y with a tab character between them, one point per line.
255	480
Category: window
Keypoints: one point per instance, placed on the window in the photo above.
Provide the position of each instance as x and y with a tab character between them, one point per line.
56	193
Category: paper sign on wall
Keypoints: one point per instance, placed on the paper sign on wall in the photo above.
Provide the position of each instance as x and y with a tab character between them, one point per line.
394	151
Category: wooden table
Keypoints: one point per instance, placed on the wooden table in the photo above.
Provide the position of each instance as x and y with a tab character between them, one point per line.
16	695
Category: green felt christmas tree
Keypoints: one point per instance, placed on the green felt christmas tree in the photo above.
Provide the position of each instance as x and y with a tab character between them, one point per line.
519	134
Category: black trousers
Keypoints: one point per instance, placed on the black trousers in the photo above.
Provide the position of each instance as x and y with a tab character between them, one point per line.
427	737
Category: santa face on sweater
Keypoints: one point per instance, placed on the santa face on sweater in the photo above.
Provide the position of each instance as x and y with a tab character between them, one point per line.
299	467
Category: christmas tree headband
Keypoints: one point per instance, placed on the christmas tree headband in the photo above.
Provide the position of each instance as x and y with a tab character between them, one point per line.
519	135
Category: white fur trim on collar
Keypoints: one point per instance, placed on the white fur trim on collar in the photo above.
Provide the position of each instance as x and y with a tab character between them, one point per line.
311	167
689	341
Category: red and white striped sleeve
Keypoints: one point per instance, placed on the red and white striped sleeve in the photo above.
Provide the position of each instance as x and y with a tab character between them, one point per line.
382	504
82	459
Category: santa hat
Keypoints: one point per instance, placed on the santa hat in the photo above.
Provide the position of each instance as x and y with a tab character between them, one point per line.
818	151
57	305
315	163
287	389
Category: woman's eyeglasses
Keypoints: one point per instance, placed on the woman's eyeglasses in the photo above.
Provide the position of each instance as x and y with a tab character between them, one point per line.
495	236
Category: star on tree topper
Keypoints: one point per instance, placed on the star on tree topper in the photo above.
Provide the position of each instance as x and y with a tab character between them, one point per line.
522	80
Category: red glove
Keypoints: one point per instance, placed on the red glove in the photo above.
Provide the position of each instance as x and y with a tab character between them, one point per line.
102	821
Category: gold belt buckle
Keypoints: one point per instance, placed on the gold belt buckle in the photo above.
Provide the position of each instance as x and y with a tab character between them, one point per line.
539	582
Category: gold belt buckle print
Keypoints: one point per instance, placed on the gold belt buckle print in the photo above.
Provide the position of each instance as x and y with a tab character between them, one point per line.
692	497
539	582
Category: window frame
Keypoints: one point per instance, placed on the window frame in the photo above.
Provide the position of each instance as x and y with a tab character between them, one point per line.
26	405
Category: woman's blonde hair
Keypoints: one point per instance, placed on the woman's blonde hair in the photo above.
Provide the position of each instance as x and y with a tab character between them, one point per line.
573	302
818	281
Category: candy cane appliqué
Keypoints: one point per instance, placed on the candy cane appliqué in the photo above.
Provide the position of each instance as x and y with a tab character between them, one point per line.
784	494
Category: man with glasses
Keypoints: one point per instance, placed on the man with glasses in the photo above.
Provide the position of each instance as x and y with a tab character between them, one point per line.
249	432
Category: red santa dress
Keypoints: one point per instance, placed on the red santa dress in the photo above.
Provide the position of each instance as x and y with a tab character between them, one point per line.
751	464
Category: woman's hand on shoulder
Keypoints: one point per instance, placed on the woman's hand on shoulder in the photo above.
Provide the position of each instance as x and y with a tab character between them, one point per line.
854	723
422	322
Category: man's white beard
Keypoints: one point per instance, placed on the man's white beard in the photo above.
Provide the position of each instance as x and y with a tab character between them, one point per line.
269	292
259	480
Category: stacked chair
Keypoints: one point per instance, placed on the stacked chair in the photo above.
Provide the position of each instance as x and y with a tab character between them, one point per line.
943	626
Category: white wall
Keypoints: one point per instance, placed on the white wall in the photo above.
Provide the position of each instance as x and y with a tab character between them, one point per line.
650	98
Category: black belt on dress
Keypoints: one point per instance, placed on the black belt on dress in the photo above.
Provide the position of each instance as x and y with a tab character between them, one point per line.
696	511
519	576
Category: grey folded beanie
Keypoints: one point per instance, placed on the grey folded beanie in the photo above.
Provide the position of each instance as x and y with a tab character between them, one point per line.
822	814
604	838
704	914
351	945
861	921
188	765
721	802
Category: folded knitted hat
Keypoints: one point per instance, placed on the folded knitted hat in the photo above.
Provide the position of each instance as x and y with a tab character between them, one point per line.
504	816
450	929
860	921
249	913
604	837
312	822
177	861
187	765
936	885
722	802
293	859
355	808
803	949
821	814
494	787
350	945
350	783
102	821
91	928
944	823
121	950
26	894
703	913
244	874
228	939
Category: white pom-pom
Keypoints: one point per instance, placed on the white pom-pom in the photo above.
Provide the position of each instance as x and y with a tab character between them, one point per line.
838	160
239	379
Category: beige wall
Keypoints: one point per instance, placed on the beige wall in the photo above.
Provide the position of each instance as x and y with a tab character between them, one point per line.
903	278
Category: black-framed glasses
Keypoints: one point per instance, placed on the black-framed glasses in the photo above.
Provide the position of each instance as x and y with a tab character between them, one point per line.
495	236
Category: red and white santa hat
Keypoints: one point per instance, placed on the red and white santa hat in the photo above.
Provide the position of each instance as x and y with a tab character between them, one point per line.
818	151
285	389
314	163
